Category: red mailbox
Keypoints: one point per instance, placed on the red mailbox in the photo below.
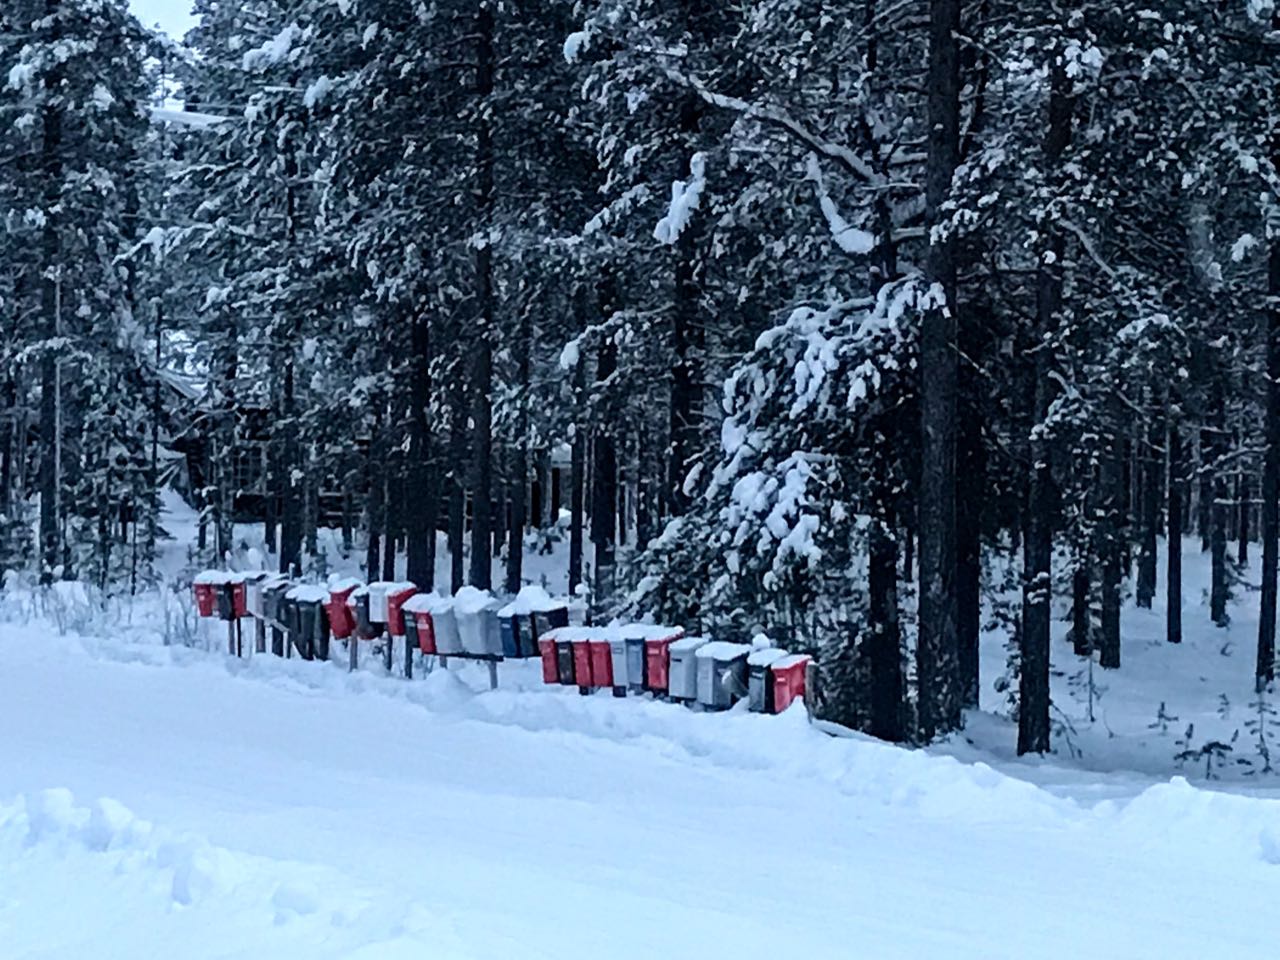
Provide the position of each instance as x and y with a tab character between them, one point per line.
397	594
657	661
601	662
342	619
788	680
206	595
426	631
239	597
582	662
550	665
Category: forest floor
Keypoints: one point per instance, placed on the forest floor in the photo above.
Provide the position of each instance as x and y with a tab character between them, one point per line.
167	800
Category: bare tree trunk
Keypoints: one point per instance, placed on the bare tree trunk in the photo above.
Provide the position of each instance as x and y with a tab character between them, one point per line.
937	657
50	289
1150	509
482	372
604	483
420	521
457	495
686	332
1110	535
374	506
577	471
1173	562
1218	508
1244	494
1265	671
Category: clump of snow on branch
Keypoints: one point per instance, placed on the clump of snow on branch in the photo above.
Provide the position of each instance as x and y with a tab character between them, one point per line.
848	238
274	51
686	196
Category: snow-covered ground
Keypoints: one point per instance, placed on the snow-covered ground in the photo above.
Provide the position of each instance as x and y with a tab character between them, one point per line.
171	801
166	800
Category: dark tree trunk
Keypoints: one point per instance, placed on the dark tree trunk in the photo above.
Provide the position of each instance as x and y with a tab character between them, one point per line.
420	520
482	371
604	481
577	471
1150	515
457	495
1110	534
518	482
51	305
1265	671
1037	582
1204	498
1218	508
1081	627
885	654
1244	488
519	517
290	467
937	657
392	498
687	335
1173	562
374	470
970	498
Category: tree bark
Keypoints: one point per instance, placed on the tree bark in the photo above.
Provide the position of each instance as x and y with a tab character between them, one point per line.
374	470
1218	508
1265	669
457	494
1150	506
420	521
1173	562
50	290
577	470
970	498
686	337
604	481
937	657
1110	552
482	371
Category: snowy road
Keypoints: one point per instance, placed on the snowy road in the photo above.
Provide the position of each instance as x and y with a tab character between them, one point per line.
296	812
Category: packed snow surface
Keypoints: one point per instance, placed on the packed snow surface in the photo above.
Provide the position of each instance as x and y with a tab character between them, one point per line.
170	801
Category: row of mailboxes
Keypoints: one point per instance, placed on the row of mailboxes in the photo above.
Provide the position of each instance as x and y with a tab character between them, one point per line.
715	674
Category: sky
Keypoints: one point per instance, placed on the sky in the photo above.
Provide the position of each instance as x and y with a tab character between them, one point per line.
174	16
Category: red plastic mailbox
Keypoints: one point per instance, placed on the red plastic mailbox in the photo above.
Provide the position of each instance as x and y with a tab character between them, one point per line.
206	598
342	619
601	663
426	628
788	681
550	666
657	661
395	614
582	662
239	598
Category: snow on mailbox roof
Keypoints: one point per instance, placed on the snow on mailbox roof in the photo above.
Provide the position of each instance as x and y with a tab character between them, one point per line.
686	644
724	650
308	593
398	586
791	660
339	584
648	631
580	633
422	603
764	657
531	599
211	576
470	599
